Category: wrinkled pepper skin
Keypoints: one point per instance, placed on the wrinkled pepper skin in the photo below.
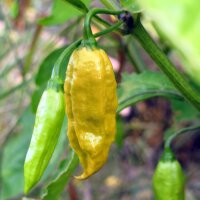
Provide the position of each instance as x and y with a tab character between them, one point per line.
169	180
48	122
91	103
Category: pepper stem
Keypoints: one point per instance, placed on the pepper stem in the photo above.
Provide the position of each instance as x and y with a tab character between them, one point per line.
168	155
87	31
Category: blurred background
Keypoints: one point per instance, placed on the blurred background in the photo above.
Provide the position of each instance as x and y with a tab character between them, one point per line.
32	36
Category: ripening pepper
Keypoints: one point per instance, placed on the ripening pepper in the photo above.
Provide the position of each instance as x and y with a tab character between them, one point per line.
91	103
168	179
48	123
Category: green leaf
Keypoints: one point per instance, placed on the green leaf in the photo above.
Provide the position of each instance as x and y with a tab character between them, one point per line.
62	11
138	87
14	9
182	32
60	148
55	188
78	4
130	5
36	96
112	5
45	69
59	59
184	111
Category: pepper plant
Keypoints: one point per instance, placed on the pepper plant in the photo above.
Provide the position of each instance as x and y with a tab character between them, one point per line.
78	78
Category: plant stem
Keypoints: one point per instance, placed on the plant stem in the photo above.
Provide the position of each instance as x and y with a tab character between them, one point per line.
87	28
102	21
165	65
110	29
180	132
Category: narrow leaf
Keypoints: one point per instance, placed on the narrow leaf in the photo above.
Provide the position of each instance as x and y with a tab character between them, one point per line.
135	88
130	5
35	99
78	4
46	66
14	9
63	11
55	188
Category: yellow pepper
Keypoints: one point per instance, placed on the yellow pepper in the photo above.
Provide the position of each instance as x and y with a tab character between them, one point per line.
91	103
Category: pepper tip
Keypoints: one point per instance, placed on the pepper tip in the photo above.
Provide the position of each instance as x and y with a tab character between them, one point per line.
82	176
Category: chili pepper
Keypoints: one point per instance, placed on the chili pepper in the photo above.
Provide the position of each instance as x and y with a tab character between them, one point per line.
168	179
48	123
91	102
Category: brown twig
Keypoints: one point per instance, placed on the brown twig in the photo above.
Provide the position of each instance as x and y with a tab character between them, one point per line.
72	191
19	22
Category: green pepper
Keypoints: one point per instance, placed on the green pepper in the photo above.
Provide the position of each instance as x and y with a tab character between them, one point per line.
168	179
49	118
48	123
